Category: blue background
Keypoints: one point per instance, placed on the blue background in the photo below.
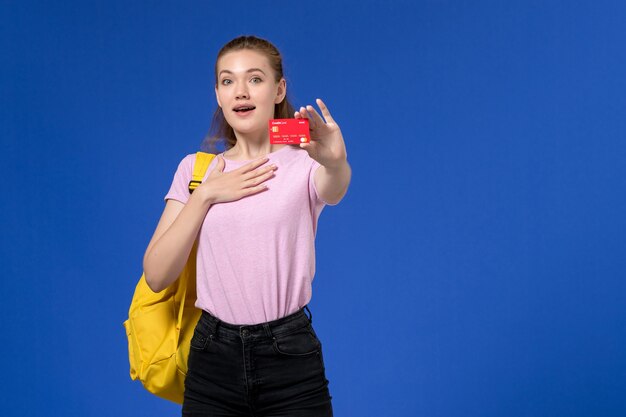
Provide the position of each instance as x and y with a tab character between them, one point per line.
475	267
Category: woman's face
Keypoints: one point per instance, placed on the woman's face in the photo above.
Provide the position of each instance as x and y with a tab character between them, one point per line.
246	90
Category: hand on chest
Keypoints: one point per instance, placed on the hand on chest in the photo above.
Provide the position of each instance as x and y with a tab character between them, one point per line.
287	197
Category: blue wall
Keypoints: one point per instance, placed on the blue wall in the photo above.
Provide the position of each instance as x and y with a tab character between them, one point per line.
475	267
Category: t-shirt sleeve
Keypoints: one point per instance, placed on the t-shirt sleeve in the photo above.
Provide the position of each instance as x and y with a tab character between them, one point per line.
316	200
179	190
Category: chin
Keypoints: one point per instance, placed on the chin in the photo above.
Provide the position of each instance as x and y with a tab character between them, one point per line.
249	126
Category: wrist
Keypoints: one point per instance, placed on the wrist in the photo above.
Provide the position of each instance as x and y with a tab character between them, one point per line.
203	194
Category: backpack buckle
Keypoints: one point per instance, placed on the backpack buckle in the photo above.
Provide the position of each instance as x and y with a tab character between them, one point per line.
193	184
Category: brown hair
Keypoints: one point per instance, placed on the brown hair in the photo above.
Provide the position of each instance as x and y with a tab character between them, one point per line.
220	129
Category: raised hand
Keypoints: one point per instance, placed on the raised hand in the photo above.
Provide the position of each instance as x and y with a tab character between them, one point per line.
327	146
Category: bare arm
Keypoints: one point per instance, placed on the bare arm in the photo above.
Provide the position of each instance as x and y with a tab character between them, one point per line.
332	183
329	149
172	241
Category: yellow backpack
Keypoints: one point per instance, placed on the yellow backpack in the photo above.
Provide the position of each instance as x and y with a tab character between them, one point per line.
160	325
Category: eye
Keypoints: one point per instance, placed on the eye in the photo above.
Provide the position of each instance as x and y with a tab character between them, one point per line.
256	80
226	81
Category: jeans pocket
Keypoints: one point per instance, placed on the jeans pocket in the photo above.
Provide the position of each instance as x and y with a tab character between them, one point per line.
320	353
310	329
200	339
301	342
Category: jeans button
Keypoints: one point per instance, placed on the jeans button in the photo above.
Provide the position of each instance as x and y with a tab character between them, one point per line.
245	333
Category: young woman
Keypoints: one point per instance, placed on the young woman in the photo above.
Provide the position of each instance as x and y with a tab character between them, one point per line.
254	351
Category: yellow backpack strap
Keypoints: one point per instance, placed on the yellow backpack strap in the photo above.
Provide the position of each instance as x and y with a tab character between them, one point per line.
203	160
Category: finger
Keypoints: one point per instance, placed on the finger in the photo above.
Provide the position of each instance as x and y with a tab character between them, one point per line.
220	164
253	165
252	190
325	111
315	115
297	115
313	123
304	113
254	181
308	145
257	189
266	170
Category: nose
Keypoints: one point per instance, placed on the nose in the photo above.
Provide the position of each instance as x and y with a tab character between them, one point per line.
242	92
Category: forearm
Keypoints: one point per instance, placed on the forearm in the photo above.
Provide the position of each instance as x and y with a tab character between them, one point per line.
334	181
165	260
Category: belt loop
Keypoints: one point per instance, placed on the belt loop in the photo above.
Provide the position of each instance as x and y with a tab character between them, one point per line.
217	323
268	331
310	314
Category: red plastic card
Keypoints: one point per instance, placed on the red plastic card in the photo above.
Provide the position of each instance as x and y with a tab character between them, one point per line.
291	131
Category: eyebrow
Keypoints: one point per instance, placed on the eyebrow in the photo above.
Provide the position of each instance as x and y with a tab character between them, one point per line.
250	70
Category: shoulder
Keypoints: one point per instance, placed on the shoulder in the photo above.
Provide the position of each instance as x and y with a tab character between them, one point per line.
188	159
186	163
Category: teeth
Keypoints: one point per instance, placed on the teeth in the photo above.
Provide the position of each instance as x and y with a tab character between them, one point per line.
244	108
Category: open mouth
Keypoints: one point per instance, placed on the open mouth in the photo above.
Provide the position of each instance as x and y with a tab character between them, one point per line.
244	109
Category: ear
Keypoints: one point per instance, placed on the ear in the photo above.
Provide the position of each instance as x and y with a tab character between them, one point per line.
217	97
281	92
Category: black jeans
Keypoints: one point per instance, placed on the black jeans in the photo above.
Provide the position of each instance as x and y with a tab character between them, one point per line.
267	369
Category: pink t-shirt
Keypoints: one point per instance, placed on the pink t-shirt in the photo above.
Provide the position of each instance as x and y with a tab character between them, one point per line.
256	255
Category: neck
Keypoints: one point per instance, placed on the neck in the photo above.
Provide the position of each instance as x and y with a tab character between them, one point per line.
251	146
